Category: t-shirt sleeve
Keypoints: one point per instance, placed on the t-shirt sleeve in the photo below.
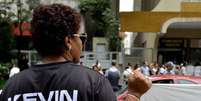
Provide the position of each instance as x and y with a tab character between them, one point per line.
3	97
5	91
104	91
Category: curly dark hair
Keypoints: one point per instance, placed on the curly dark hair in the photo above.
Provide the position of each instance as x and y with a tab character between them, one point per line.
50	25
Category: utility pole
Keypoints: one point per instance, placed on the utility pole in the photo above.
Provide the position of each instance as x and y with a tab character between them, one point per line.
19	16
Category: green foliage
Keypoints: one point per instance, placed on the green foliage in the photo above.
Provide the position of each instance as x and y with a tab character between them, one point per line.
105	21
33	4
96	9
112	31
2	83
114	43
5	13
6	38
4	71
26	13
7	41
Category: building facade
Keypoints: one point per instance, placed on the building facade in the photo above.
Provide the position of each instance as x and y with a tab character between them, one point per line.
164	30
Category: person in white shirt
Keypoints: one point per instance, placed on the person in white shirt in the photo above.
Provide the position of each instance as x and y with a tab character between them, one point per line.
127	72
14	70
183	69
145	69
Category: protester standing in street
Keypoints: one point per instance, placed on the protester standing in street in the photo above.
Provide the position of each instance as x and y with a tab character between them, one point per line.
55	32
145	69
127	72
170	67
113	75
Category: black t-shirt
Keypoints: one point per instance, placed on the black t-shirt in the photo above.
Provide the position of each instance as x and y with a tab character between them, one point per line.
63	81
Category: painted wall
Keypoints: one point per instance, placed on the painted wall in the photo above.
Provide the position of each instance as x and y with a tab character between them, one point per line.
98	40
191	7
168	5
150	52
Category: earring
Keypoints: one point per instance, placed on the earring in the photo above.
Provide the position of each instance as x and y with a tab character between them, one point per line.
69	47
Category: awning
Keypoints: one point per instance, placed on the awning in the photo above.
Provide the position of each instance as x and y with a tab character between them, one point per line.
25	29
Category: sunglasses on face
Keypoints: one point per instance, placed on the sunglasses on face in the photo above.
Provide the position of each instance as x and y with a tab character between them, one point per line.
82	36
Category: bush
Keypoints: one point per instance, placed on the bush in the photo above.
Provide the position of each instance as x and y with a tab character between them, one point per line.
2	83
4	70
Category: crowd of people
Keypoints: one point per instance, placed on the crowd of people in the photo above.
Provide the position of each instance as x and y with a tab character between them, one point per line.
167	68
115	75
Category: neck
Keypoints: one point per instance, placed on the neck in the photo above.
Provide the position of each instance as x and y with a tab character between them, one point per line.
52	59
68	56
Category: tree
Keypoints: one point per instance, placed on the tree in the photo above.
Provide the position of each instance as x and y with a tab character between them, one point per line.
112	31
6	38
32	4
104	23
5	41
7	17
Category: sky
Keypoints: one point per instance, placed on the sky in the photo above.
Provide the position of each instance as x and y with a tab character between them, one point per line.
126	5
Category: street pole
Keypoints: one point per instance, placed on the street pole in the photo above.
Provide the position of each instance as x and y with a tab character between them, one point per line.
19	15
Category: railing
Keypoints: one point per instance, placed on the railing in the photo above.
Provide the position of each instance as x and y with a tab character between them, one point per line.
137	55
105	58
89	58
32	56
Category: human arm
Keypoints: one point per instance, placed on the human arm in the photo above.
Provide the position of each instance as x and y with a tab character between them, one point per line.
137	86
130	97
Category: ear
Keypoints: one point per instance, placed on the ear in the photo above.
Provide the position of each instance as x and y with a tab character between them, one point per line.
67	39
67	42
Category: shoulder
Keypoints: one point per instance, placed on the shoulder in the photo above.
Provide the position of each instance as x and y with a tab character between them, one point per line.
80	71
14	83
88	71
88	76
19	77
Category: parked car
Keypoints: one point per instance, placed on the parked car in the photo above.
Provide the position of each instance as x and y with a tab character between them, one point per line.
167	79
175	79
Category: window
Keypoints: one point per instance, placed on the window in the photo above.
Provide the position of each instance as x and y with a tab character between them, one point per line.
182	81
167	81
